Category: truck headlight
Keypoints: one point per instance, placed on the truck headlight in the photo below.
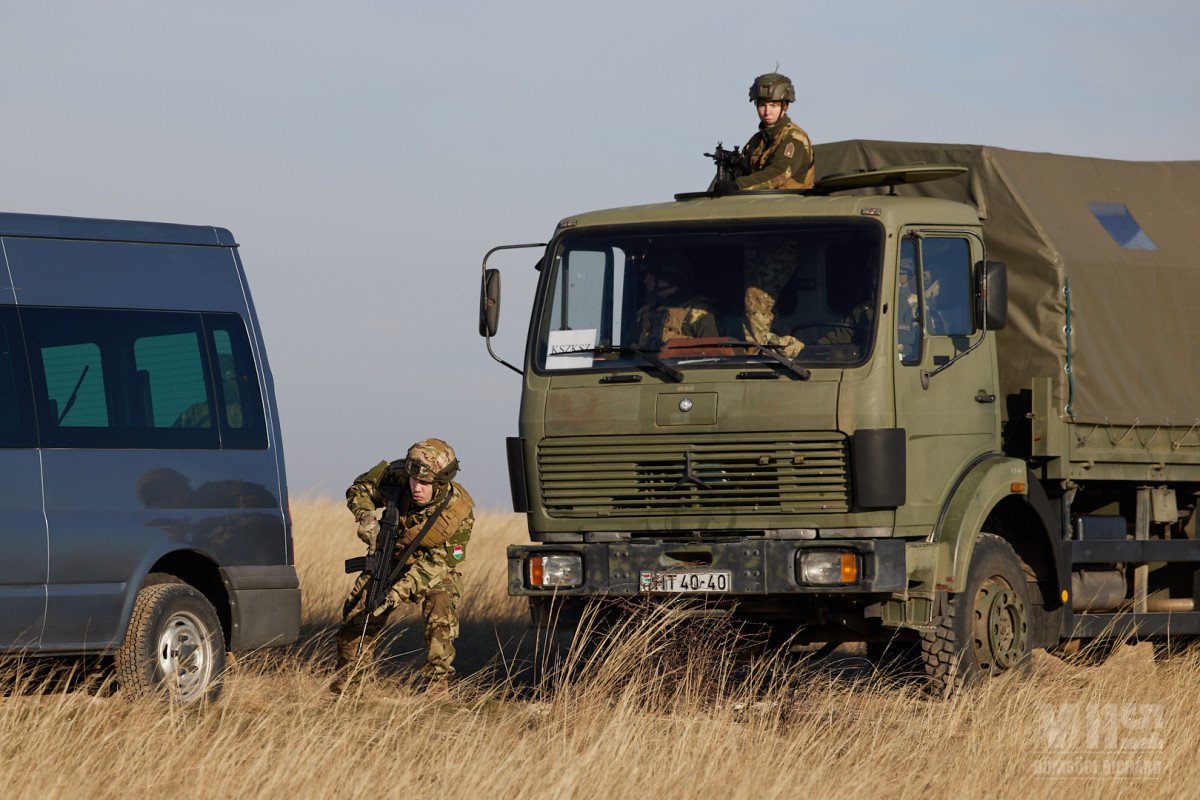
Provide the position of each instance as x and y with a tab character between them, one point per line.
559	570
827	567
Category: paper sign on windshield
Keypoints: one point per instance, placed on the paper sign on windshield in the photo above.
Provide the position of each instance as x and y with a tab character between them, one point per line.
570	349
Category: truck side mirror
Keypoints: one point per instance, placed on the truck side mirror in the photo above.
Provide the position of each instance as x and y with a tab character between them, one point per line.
489	303
991	294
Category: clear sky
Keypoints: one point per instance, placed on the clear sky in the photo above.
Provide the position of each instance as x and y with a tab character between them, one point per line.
367	154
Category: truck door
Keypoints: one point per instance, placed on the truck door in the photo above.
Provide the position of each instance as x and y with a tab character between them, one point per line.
23	535
950	417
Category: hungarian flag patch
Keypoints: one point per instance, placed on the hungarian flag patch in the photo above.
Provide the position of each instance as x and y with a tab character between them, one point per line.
458	552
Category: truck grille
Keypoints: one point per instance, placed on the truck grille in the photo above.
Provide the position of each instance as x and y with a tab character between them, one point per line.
617	476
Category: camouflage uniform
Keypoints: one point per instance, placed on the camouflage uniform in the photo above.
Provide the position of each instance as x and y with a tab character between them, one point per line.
660	320
770	263
780	156
432	579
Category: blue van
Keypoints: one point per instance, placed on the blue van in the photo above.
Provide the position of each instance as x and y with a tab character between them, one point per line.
143	505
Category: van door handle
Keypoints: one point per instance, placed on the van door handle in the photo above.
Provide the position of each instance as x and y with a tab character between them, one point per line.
983	397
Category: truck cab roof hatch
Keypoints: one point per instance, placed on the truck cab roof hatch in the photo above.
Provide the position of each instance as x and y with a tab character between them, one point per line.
886	176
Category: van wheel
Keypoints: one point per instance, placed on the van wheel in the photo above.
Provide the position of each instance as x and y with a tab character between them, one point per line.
174	645
984	631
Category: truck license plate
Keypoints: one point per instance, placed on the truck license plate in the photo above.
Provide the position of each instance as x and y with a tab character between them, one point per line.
690	582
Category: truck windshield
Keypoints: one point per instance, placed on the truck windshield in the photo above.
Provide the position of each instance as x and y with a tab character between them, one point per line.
685	298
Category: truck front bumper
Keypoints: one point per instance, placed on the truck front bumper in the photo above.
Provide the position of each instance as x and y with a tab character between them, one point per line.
756	567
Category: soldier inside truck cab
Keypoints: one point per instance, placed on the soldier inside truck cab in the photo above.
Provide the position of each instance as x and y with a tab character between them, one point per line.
671	310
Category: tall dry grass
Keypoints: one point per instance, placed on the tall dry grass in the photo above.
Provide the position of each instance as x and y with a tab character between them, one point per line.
662	716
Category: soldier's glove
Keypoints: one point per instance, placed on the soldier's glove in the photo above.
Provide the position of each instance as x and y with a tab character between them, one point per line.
368	527
725	187
390	602
791	346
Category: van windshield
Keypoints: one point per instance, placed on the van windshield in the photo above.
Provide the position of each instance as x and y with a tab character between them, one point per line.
681	297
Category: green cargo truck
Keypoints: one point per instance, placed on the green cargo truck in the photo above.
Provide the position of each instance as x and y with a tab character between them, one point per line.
989	443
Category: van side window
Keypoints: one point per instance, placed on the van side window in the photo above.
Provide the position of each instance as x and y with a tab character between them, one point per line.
119	379
170	367
16	403
75	385
241	410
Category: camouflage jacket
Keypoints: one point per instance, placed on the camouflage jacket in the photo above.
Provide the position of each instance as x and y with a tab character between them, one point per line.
444	546
781	157
659	320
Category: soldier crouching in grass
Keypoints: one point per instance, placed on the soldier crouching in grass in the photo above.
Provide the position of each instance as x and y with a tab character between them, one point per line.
436	514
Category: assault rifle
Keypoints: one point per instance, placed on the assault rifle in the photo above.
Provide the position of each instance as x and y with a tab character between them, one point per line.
731	164
378	564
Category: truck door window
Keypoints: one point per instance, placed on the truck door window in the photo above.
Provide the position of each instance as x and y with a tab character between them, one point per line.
946	286
908	306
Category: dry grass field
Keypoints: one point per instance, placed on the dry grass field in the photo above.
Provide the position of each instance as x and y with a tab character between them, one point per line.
663	717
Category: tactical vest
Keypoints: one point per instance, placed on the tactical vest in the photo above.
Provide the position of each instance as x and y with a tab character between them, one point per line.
662	323
761	148
456	511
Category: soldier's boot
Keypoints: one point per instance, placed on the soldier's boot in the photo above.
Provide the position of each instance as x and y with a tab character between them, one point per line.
350	667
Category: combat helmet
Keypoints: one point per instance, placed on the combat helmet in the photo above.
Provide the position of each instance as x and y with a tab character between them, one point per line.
772	87
431	461
668	265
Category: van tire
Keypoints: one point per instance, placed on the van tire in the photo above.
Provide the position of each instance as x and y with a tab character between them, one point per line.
985	629
174	647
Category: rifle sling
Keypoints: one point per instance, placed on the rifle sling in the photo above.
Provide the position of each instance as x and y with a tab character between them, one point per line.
398	570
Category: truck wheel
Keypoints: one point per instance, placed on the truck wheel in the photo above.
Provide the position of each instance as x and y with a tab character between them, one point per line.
984	631
174	645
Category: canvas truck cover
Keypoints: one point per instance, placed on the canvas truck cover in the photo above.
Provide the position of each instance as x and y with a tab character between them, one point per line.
1103	270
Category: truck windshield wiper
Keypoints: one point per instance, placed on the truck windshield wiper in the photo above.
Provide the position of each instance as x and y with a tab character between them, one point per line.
647	355
767	350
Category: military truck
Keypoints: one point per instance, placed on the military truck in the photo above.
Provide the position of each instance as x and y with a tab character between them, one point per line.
989	443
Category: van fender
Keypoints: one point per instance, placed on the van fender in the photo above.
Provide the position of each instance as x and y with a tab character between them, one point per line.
143	568
979	490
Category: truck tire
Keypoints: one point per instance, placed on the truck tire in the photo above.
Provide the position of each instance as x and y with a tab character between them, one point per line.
174	646
985	630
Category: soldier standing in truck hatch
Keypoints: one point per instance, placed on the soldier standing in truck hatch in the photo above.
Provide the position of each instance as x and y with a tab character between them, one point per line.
780	154
421	484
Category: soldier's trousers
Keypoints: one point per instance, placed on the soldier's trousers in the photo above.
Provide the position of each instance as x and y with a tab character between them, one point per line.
439	609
